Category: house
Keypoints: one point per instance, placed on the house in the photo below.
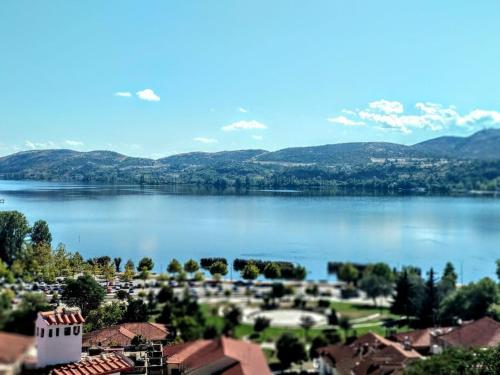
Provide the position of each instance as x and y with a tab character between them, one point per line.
58	336
222	356
104	364
481	333
121	335
368	354
424	340
14	351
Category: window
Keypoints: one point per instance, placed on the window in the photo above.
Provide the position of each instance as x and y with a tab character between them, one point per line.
42	332
50	332
57	331
76	330
67	331
37	331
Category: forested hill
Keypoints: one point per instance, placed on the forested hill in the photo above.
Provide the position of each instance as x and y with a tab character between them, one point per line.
441	164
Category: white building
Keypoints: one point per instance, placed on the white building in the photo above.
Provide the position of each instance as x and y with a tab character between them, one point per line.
59	336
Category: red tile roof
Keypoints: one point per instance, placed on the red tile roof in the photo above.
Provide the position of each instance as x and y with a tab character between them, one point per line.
368	354
62	317
421	339
481	333
97	365
122	334
13	347
235	356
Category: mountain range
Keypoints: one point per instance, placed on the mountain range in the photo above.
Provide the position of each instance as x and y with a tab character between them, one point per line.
200	167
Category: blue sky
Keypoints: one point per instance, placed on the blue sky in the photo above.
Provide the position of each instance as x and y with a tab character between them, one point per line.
152	78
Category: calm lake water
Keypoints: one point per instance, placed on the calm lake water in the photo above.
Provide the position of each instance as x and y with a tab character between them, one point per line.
131	222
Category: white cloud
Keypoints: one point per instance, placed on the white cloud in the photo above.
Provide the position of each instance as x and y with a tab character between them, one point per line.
244	125
391	115
205	140
242	110
124	94
72	143
342	120
480	117
39	145
387	106
148	95
257	137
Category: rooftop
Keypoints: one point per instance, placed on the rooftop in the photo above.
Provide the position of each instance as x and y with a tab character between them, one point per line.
368	354
14	347
122	334
481	333
62	316
239	357
103	364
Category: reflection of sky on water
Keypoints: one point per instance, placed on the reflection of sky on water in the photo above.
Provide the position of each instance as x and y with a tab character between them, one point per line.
166	222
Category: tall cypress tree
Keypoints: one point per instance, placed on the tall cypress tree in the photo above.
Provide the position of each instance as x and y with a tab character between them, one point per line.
430	303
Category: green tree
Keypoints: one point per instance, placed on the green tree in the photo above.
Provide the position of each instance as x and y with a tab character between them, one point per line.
408	294
104	316
290	350
118	262
345	325
472	301
218	269
128	273
22	320
189	328
232	314
166	294
430	303
13	230
458	362
448	281
174	267
250	271
272	271
137	311
145	263
191	266
498	269
40	233
319	341
348	273
261	323
377	281
84	293
299	273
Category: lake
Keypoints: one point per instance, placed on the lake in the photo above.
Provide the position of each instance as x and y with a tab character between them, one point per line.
163	223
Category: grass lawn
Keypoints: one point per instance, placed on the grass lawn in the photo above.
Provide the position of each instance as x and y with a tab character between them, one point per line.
271	334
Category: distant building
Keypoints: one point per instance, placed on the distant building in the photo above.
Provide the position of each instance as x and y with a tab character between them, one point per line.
482	333
368	354
14	351
222	356
121	335
58	336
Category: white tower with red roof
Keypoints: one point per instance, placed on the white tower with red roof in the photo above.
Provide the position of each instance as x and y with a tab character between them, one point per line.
59	336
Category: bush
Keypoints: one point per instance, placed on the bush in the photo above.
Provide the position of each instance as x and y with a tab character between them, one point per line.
261	323
349	292
323	303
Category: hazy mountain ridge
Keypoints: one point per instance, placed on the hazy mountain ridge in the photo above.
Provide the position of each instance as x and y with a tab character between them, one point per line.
469	161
